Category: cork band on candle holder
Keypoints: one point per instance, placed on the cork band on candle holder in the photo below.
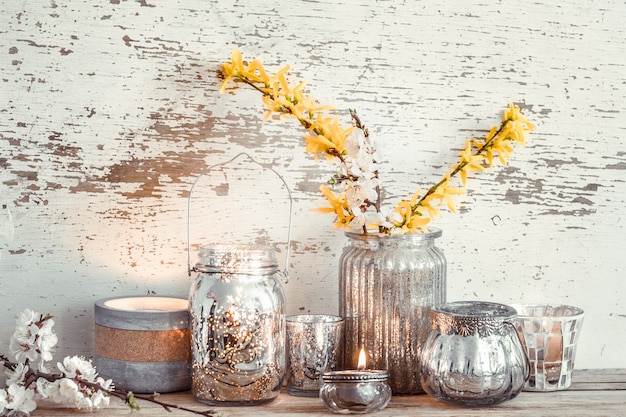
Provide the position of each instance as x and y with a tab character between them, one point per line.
142	345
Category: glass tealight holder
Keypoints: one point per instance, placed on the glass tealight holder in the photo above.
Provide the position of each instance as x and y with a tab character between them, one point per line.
549	334
355	391
314	344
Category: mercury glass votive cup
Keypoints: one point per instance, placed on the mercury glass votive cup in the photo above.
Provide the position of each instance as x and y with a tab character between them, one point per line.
314	346
549	334
355	391
473	356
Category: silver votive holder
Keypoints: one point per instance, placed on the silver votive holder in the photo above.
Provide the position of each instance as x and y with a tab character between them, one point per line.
549	334
355	391
314	346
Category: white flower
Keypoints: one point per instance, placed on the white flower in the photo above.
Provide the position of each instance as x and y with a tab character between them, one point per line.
106	384
20	399
72	392
356	196
3	400
48	389
22	345
78	367
363	165
354	142
100	400
361	191
26	318
17	375
82	401
47	339
33	338
67	388
359	220
384	217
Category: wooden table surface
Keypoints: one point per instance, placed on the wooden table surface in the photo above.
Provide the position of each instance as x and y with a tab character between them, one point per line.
600	392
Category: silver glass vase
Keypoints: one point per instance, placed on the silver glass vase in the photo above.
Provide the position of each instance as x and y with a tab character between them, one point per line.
473	355
387	286
237	310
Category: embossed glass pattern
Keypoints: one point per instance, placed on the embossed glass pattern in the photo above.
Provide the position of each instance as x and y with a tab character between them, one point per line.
473	355
314	346
549	335
387	285
237	308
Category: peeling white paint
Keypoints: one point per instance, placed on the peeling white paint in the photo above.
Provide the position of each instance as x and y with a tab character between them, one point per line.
111	110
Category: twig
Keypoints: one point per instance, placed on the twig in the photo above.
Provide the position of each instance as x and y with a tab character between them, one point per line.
127	396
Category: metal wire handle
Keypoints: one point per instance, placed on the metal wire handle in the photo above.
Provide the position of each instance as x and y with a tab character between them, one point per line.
285	273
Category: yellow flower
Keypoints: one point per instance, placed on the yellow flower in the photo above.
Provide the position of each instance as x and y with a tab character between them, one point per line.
232	68
445	192
502	148
411	221
427	204
319	144
327	136
516	123
339	206
469	162
330	138
237	68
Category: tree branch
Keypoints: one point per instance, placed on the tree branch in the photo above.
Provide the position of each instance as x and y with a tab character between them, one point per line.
127	396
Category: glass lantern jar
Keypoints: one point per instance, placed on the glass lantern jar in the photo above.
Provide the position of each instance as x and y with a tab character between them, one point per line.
473	355
237	308
387	286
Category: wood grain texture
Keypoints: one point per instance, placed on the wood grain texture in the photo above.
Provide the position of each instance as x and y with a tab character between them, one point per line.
591	401
110	110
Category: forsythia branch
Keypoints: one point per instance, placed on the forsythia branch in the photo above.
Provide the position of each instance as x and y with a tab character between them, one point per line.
357	157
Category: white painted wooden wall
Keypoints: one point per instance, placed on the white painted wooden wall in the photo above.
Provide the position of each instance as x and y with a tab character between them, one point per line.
110	110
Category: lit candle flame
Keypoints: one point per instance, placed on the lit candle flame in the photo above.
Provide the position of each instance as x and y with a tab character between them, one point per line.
362	360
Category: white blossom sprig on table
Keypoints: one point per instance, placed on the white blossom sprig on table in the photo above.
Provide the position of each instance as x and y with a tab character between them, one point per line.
75	383
357	205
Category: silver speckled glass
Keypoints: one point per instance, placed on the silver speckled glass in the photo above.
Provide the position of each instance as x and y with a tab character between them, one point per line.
549	334
237	308
314	346
473	356
387	286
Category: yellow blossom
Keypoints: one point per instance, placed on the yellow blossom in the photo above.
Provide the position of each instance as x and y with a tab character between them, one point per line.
411	221
339	206
330	138
319	144
327	136
445	192
503	149
427	203
469	162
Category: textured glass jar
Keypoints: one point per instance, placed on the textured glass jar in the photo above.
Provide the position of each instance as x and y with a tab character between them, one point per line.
473	356
387	286
237	308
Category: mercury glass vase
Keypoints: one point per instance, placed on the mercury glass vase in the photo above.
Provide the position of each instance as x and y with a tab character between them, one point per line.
387	286
237	308
473	356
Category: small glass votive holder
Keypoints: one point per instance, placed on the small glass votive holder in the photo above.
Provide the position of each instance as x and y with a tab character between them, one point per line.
314	346
549	334
355	391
